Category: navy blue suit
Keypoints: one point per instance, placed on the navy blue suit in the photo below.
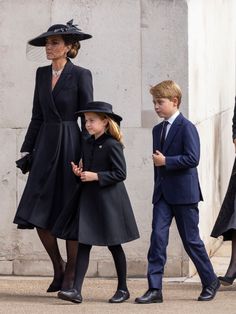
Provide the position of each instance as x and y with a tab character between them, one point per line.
176	194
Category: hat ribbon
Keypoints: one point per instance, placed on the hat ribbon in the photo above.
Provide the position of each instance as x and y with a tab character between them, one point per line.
69	26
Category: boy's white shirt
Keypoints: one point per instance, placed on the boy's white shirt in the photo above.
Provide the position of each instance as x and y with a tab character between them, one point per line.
171	120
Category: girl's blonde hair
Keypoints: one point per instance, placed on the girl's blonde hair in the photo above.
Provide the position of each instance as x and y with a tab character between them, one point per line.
112	127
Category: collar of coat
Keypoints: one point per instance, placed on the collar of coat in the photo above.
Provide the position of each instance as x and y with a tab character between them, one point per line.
101	139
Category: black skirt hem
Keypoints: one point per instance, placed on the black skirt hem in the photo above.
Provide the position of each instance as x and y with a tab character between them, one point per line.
227	235
135	237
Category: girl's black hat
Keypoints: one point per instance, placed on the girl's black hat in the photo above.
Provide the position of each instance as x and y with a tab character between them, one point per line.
60	29
100	107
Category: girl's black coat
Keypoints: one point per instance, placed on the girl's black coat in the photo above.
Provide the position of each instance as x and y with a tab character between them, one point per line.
54	137
105	213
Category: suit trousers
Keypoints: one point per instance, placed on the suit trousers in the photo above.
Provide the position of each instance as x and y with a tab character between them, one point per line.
187	219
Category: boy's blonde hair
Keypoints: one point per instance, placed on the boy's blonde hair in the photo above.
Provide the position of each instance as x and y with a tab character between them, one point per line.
167	89
112	127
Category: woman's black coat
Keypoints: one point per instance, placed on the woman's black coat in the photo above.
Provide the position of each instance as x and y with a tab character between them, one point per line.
226	220
105	213
54	137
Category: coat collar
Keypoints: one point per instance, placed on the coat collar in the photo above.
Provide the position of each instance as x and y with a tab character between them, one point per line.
63	77
173	131
47	83
100	140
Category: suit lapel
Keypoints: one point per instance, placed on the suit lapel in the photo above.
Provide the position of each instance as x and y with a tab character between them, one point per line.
46	83
156	137
172	132
65	75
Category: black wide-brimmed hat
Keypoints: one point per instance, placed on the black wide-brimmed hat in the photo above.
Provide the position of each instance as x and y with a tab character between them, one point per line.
60	29
100	107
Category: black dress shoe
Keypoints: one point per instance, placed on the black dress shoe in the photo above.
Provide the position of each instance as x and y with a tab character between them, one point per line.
226	281
120	296
70	295
150	296
208	293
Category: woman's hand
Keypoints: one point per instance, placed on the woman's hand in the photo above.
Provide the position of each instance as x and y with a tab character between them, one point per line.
81	163
86	176
23	154
235	144
76	169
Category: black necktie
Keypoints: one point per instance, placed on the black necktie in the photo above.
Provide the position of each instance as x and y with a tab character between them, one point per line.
163	133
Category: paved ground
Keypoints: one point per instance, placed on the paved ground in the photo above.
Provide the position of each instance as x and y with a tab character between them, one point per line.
27	295
20	295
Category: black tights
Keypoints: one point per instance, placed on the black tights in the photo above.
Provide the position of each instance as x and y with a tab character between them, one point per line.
63	272
83	262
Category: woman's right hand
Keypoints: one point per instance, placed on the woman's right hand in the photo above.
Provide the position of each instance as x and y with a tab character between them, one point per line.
234	144
23	154
76	169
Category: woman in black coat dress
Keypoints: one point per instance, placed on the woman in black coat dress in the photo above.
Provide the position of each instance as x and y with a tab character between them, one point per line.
53	138
225	224
105	213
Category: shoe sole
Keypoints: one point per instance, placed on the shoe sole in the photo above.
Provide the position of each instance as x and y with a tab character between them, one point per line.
65	298
205	300
150	302
119	301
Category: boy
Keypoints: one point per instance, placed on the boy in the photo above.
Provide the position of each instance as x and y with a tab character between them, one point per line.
176	153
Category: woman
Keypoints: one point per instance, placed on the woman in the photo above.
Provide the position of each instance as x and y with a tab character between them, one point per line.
225	224
53	138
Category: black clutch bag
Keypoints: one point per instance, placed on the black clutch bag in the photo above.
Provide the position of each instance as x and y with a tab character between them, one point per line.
25	163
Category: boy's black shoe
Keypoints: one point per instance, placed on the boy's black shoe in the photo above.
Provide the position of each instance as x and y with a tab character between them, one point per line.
208	293
150	296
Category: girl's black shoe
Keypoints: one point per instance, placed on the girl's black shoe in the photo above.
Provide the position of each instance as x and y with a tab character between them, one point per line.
120	296
226	281
71	295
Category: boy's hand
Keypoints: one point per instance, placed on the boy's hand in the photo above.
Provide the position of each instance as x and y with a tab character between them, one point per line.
159	159
86	176
76	169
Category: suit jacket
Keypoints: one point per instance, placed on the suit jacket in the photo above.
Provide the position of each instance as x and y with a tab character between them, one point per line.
178	180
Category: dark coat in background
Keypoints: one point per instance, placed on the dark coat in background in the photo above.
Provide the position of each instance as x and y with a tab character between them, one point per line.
105	213
54	137
226	220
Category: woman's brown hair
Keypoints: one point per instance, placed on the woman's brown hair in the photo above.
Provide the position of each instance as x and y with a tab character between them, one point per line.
75	45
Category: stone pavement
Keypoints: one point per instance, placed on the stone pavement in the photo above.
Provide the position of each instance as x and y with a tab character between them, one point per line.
23	295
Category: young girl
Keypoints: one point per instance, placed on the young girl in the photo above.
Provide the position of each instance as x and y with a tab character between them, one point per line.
105	214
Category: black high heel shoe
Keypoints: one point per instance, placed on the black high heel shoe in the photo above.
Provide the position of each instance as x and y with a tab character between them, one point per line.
55	285
226	281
